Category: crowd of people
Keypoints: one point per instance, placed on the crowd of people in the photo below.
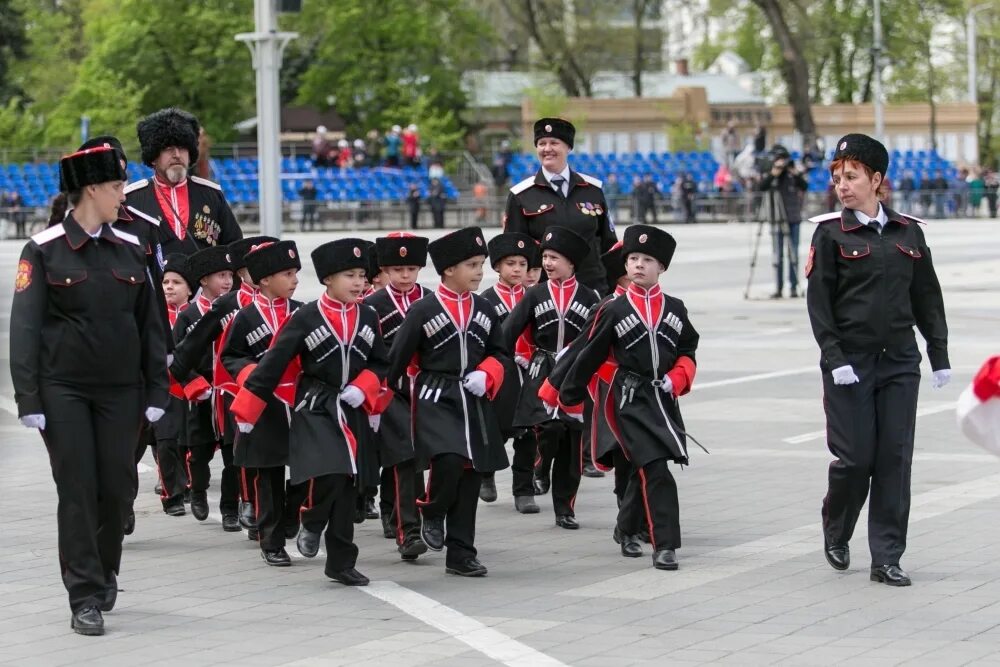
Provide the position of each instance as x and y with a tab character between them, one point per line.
398	147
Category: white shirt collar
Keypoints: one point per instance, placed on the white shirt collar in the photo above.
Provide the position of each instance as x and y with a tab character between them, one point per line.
549	175
881	218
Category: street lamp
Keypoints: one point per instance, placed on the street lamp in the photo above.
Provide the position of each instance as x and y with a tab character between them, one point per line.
970	32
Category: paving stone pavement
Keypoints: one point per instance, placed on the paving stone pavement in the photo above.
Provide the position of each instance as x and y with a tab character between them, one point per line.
752	589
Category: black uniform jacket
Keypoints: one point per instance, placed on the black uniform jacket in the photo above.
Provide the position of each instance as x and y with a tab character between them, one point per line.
327	436
645	420
533	205
505	401
394	438
867	290
247	339
204	416
447	418
84	314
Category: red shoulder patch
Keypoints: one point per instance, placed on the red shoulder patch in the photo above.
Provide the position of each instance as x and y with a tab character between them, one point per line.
809	262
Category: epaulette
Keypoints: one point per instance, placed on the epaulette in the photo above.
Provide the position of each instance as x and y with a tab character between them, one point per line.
205	181
523	185
590	179
138	185
125	236
914	218
825	217
49	234
145	216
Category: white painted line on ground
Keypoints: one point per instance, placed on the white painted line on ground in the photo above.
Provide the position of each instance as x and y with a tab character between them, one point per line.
754	378
818	435
488	641
821	453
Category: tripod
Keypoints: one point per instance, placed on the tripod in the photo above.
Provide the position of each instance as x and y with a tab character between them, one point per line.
772	213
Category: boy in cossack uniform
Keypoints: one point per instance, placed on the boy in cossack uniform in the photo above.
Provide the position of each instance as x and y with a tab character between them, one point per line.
551	315
651	338
263	454
336	342
400	256
453	338
510	256
212	268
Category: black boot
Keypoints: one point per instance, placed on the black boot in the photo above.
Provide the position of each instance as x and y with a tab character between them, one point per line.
276	557
199	505
88	622
488	490
388	530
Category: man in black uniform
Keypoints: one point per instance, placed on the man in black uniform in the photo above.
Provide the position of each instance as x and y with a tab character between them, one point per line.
871	280
557	195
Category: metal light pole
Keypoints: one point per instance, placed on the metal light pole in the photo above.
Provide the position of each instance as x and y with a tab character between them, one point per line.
266	48
877	49
970	49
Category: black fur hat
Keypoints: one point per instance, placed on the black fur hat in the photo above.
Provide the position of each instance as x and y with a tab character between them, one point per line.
511	243
651	241
558	128
535	261
401	249
239	249
567	243
456	247
373	268
165	128
177	262
267	259
208	261
614	264
90	166
340	255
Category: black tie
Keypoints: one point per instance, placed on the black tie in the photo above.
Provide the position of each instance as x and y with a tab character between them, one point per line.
558	181
874	224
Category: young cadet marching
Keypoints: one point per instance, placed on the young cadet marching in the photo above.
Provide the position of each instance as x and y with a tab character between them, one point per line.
653	342
336	341
510	255
454	339
263	453
212	270
400	256
206	332
170	431
551	315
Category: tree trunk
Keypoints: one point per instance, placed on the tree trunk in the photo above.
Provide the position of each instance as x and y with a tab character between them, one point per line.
552	42
794	70
931	84
638	9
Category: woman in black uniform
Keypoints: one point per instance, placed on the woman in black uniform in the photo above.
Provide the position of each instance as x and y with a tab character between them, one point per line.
88	355
871	280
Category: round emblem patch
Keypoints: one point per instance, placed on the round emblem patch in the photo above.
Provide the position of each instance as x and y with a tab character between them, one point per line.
843	145
548	128
403	251
479	241
357	251
520	244
548	237
291	253
643	238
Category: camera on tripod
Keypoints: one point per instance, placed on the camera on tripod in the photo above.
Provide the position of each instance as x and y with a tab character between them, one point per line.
777	156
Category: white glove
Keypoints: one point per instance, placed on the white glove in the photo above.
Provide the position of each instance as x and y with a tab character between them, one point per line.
34	421
522	361
578	417
244	428
374	421
153	414
941	378
353	396
667	385
204	396
475	383
550	409
844	375
560	353
170	360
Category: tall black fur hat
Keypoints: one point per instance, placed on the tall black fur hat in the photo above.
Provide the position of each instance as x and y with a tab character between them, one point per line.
456	247
373	268
535	261
269	258
567	243
558	128
340	255
177	262
90	166
651	241
614	264
208	261
239	249
511	243
165	128
401	249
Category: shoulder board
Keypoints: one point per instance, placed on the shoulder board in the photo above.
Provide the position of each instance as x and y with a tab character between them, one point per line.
913	218
49	234
590	179
826	217
125	236
523	185
145	216
205	181
137	185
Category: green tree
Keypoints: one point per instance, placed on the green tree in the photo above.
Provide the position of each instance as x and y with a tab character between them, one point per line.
12	46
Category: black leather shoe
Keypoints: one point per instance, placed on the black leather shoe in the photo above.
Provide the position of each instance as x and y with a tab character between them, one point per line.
665	559
349	577
566	521
88	622
891	575
643	536
199	505
158	489
253	534
412	548
129	526
187	496
631	548
590	470
371	512
837	555
174	507
230	523
542	483
793	294
359	515
488	490
432	533
276	557
110	593
307	542
388	530
526	505
248	517
469	567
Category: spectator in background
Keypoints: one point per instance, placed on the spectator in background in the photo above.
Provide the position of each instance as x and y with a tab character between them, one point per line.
908	188
480	193
730	143
648	192
759	139
612	191
360	154
977	188
435	164
413	203
411	146
344	155
501	164
960	192
308	194
938	187
320	148
373	148
437	198
689	195
636	187
990	184
392	147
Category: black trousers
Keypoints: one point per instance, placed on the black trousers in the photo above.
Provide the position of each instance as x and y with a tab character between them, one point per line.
560	449
330	503
246	488
652	494
199	458
631	511
522	464
171	470
269	506
401	485
453	495
91	435
870	427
